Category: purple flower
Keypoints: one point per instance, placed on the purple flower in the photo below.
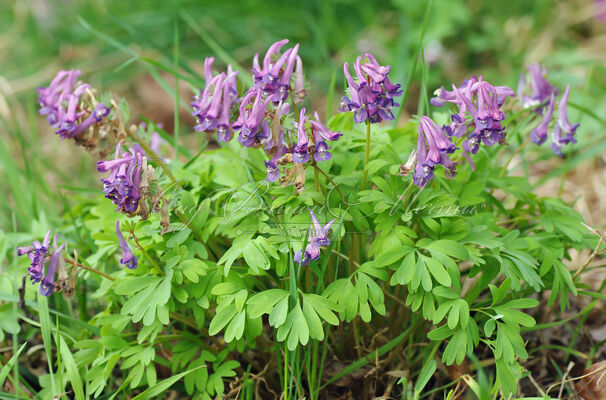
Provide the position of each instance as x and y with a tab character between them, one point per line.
536	92
301	155
564	131
47	286
320	231
122	184
128	258
212	106
249	123
482	101
539	134
433	148
372	95
277	70
37	254
317	237
64	107
322	130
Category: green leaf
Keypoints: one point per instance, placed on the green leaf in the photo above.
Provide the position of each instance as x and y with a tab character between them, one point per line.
163	385
221	319
323	307
254	257
438	271
450	248
71	368
264	302
424	376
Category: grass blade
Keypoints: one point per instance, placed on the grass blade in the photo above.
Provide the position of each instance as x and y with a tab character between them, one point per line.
415	60
222	54
46	329
163	385
7	368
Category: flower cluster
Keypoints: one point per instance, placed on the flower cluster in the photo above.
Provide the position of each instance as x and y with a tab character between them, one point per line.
212	106
317	237
131	184
539	94
264	119
70	106
482	102
433	148
275	74
40	254
372	96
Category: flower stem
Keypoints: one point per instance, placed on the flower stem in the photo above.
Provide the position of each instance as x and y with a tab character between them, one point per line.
518	150
366	156
152	154
330	180
91	269
146	254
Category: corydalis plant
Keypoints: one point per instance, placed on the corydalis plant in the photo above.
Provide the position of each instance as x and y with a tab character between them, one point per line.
372	95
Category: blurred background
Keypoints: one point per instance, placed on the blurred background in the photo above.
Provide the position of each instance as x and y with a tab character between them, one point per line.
127	47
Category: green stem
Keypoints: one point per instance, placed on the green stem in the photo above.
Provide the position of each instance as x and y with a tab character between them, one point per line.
366	156
154	157
329	179
91	269
146	254
518	150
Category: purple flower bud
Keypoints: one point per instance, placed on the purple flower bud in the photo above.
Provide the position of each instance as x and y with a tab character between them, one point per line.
208	73
299	83
128	258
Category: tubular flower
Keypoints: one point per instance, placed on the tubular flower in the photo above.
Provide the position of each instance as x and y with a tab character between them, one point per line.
300	154
535	92
482	102
212	106
317	237
433	147
40	255
65	106
371	98
122	186
564	131
47	286
539	134
128	258
37	254
274	76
